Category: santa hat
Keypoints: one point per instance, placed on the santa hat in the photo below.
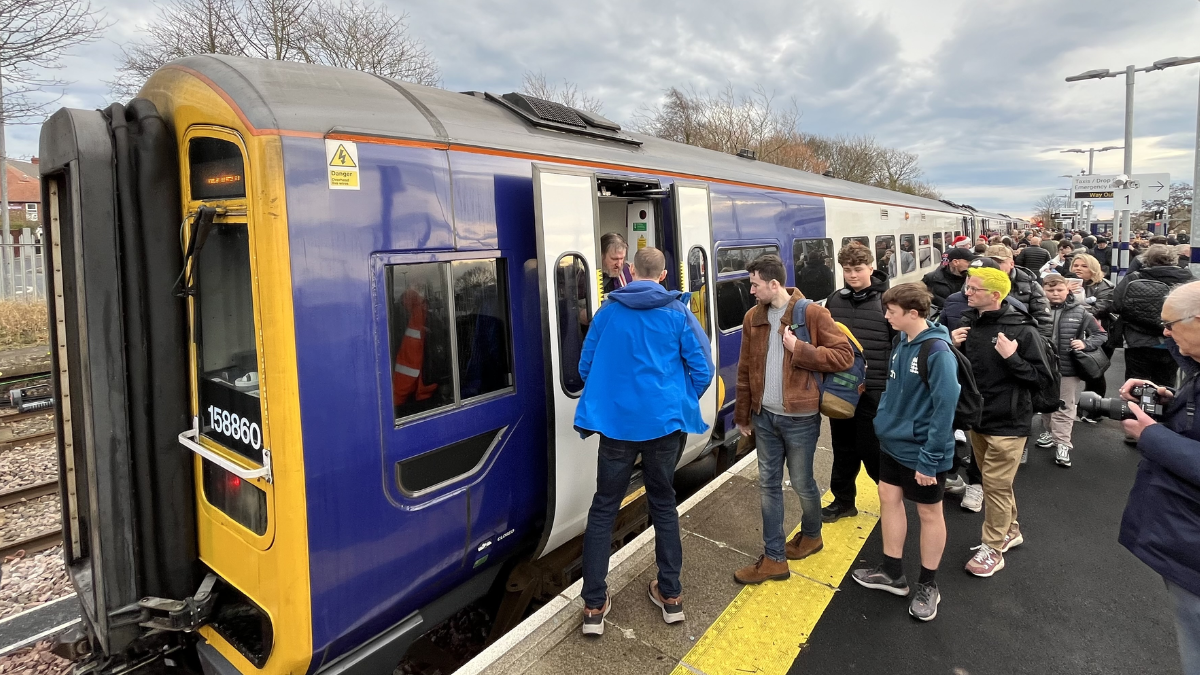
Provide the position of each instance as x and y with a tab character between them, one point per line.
961	240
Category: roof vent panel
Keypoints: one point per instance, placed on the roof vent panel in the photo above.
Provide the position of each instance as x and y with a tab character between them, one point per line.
546	110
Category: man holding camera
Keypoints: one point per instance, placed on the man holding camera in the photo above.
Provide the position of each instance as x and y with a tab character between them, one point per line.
1161	524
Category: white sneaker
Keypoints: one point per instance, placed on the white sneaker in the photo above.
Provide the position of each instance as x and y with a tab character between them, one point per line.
1062	455
955	485
960	436
973	498
1045	440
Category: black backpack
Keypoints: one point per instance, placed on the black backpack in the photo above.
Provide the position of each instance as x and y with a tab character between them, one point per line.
1142	301
1046	395
970	402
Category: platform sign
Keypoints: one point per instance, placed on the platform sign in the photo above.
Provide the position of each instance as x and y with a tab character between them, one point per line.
1129	199
1154	185
1092	187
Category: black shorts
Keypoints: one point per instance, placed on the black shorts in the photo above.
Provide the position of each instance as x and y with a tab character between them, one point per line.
895	473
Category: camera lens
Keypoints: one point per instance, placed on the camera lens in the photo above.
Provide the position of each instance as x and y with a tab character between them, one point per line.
1112	408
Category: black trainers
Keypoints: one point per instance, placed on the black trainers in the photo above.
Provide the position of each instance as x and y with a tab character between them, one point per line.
878	579
925	602
834	511
672	608
593	619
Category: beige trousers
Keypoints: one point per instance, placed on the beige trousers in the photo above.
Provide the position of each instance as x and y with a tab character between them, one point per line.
998	458
1062	421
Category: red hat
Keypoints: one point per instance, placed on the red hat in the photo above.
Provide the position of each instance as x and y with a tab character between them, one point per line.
958	239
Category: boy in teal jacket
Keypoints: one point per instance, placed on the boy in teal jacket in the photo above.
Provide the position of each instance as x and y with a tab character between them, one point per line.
915	429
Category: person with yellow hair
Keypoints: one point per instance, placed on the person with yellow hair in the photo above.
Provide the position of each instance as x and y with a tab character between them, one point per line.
1002	342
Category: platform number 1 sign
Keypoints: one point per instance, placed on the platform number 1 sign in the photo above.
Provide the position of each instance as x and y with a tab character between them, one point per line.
1127	200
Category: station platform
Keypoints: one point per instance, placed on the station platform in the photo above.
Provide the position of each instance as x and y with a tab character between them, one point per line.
1070	599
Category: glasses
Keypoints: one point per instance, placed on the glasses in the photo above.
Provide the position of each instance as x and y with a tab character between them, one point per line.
968	290
1168	325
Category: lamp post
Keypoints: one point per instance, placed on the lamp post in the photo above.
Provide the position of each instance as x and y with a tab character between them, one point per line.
1091	153
1121	258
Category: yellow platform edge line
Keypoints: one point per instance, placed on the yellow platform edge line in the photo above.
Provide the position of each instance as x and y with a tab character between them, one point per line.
766	626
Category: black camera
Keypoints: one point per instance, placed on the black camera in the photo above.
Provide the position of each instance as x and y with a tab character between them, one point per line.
1115	408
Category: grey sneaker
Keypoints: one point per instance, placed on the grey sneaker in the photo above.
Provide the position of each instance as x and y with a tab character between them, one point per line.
672	608
973	498
960	436
1045	440
876	578
925	602
593	619
1062	456
955	485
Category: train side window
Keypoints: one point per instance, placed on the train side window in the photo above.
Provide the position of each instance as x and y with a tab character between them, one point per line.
736	259
421	348
574	316
698	273
937	242
865	241
924	253
481	326
885	254
733	301
908	253
227	356
813	259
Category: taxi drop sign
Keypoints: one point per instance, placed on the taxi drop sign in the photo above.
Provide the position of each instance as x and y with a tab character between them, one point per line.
341	160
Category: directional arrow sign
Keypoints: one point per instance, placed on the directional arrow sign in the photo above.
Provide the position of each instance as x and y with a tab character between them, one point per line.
1154	185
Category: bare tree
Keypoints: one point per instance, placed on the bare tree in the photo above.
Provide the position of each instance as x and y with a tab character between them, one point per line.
357	34
1178	205
536	85
34	34
852	158
1045	206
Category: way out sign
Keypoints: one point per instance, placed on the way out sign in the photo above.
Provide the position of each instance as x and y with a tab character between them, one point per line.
341	161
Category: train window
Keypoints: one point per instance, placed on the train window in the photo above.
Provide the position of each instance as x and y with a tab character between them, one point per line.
949	239
421	349
736	259
885	254
908	253
926	256
574	317
922	240
239	499
733	301
814	267
698	273
481	326
865	241
937	241
216	168
226	351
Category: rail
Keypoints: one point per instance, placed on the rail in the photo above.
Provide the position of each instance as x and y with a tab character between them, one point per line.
10	497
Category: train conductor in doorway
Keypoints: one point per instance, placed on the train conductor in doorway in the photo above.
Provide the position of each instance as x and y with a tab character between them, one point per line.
645	363
617	272
779	403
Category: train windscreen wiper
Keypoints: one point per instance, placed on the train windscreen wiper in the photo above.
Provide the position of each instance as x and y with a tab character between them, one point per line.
201	226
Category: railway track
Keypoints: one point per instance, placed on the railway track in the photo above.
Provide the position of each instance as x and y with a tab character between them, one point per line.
41	540
22	416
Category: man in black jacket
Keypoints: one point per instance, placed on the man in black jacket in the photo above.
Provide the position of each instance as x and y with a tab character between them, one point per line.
1005	349
1103	254
1025	287
948	279
1032	257
854	441
1146	357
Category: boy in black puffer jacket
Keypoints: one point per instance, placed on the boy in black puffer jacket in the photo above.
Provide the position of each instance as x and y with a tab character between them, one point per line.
858	307
1077	330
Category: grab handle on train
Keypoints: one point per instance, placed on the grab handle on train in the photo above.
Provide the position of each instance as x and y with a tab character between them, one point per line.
190	440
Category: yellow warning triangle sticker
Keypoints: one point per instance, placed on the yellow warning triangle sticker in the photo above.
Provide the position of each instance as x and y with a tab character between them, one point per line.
342	158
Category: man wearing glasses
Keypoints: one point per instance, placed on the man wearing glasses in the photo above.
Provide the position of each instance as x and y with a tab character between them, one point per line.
1161	525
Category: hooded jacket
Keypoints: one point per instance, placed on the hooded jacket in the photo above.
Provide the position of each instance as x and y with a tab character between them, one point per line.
1068	317
1161	523
943	283
829	352
862	312
1136	335
1099	297
915	422
1005	384
645	363
1028	290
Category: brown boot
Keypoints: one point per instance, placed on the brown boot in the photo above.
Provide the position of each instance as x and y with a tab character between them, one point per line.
800	547
762	570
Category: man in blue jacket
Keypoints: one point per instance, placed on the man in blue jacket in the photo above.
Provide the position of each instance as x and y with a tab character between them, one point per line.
1161	525
915	425
645	363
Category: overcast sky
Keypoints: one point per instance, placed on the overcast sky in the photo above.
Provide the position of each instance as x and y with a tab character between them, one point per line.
975	88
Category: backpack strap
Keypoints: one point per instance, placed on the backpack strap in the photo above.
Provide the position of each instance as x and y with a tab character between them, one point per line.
798	313
928	347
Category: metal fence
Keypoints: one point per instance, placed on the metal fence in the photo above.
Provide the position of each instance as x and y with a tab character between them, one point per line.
22	267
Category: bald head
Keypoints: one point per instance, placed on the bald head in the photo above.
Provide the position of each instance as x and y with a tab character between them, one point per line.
649	264
1184	300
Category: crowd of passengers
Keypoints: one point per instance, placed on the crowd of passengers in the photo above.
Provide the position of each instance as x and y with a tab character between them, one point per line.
1010	323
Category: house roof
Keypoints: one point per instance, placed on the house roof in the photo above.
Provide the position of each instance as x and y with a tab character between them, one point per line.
23	183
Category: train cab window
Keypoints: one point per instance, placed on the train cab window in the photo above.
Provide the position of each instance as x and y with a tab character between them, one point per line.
698	273
885	255
481	327
733	284
574	316
865	241
419	323
216	168
908	253
226	351
813	259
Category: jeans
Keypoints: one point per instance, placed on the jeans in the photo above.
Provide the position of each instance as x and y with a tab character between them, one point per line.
1187	625
854	443
795	438
614	466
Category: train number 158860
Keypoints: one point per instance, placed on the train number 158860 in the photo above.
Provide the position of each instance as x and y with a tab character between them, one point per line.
234	426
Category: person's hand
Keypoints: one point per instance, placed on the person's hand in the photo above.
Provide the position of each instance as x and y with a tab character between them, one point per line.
1135	427
746	429
925	481
1078	345
1163	392
789	339
959	335
1004	346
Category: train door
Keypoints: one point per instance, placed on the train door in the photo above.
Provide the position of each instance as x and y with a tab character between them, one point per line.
566	210
693	237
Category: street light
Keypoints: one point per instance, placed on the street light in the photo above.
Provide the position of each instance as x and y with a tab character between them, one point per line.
1091	153
1161	64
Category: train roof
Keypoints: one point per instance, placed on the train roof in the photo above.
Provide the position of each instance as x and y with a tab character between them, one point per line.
314	99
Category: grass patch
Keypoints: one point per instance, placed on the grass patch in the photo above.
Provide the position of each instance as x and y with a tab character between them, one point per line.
23	324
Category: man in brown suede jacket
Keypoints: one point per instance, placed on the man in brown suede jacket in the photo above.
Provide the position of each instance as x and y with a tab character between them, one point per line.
779	403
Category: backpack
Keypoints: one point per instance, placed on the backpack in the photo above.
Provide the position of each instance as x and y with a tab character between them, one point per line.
1045	397
970	402
840	391
1143	301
